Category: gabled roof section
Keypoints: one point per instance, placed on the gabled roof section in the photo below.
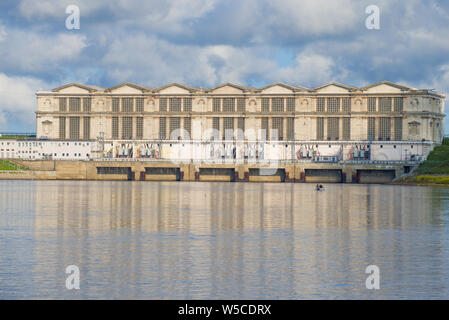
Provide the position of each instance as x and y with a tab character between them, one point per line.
79	85
336	84
284	85
228	84
391	84
175	84
129	84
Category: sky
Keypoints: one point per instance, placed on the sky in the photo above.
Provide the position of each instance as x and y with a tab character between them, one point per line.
209	42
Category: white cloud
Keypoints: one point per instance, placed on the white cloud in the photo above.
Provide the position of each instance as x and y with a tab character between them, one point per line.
312	69
17	96
33	51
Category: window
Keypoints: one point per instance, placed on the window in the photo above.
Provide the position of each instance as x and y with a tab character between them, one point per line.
320	128
74	128
371	104
75	104
384	129
115	104
139	127
228	128
385	105
346	104
187	104
114	127
346	129
163	105
241	127
277	105
87	104
320	105
86	128
398	129
127	105
216	125
188	127
216	104
333	129
127	128
139	105
228	105
265	131
265	105
371	128
290	104
333	105
241	105
290	128
278	128
162	128
62	127
175	105
63	104
175	125
398	104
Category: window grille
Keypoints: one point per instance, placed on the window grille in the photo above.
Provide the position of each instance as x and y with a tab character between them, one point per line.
86	128
346	129
320	128
187	104
333	105
371	128
62	127
127	128
384	129
74	128
290	104
333	128
163	104
228	105
216	104
162	128
115	128
75	104
63	104
139	127
372	105
127	105
277	105
115	104
175	105
265	105
139	105
241	104
320	104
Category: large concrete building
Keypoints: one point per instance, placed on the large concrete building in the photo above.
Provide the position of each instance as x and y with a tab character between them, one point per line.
333	112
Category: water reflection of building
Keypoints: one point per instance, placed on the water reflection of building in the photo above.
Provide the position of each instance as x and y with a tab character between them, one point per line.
186	240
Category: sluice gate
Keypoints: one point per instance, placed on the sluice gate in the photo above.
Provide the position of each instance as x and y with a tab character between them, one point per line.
162	174
324	175
216	174
375	176
266	175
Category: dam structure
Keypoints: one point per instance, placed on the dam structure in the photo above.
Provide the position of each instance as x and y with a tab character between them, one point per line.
281	132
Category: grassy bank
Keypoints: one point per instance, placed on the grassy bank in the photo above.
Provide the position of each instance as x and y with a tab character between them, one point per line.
6	165
433	171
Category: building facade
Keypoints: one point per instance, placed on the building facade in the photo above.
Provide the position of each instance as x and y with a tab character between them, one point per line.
333	113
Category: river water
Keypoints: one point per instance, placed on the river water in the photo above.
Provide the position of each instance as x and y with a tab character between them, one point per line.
200	240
